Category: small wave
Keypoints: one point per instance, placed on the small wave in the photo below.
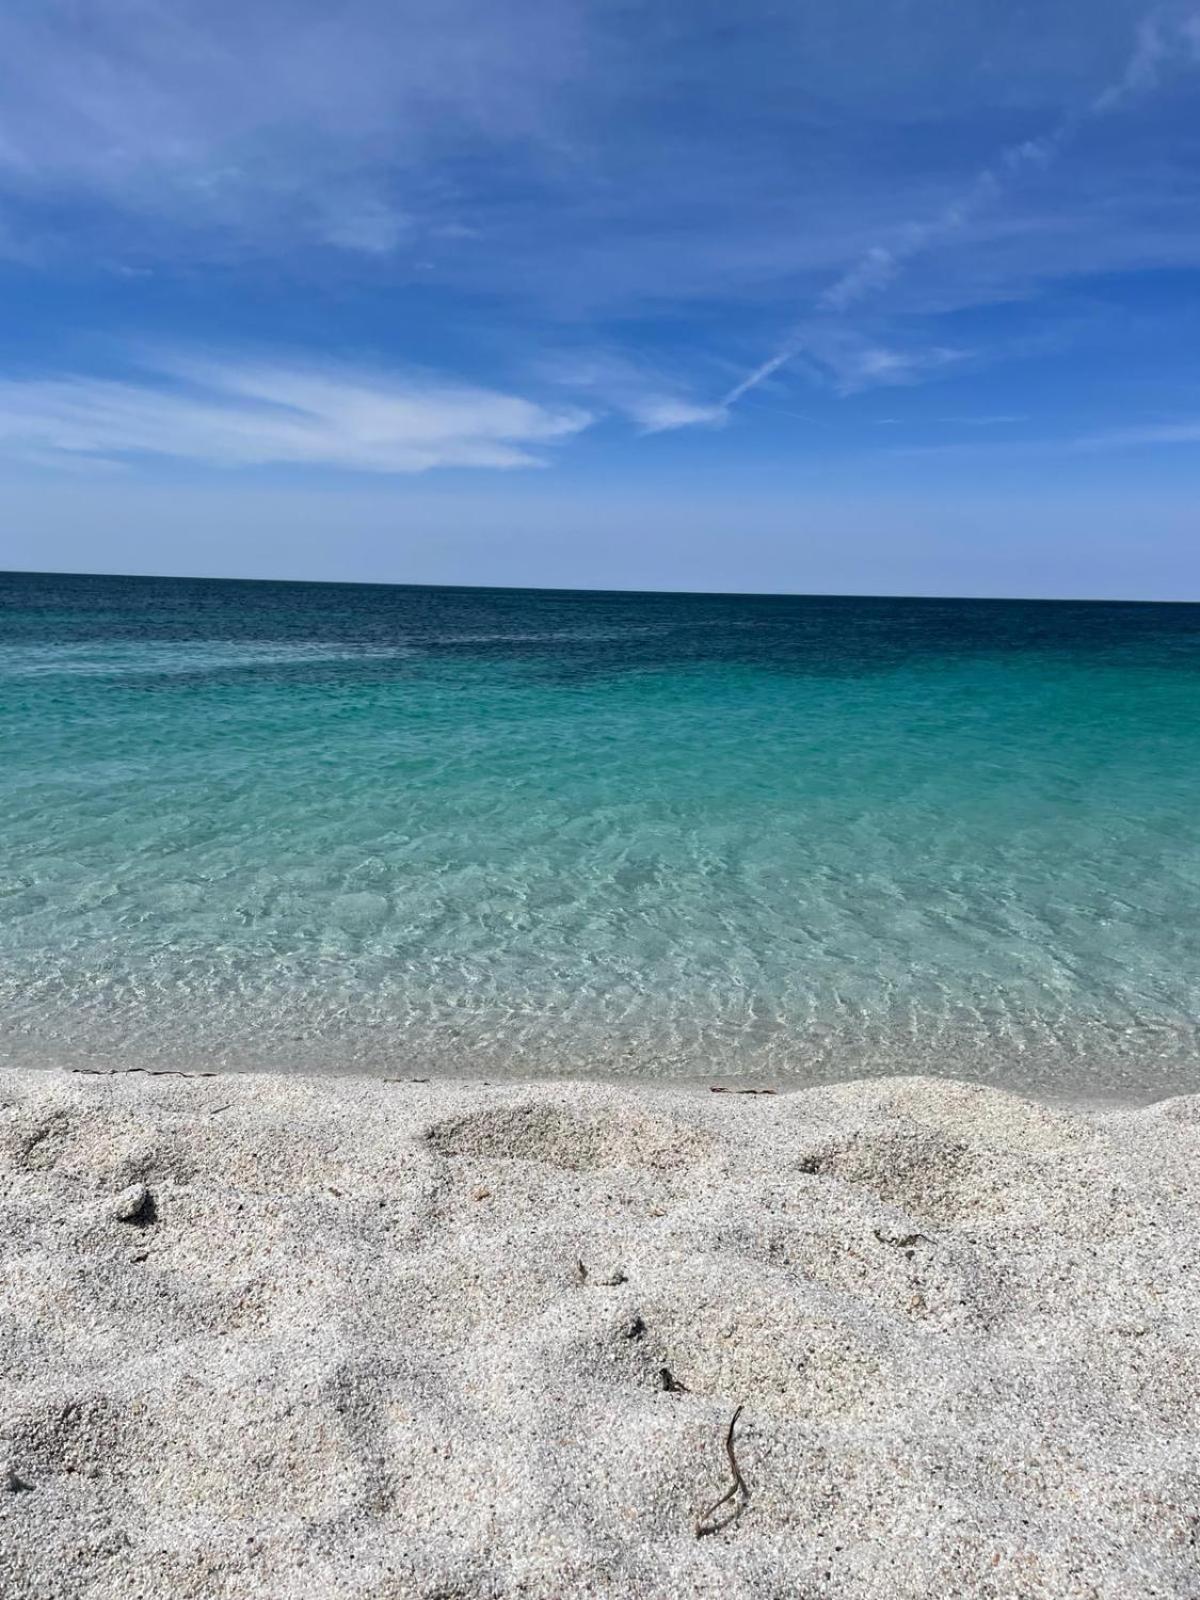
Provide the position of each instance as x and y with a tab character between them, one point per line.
553	636
169	656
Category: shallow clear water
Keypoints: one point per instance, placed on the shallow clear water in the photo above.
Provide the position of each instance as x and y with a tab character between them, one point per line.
326	827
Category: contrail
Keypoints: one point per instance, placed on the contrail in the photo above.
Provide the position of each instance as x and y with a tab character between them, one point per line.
755	378
1159	38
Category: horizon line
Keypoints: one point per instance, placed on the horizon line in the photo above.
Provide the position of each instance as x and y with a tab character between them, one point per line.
528	588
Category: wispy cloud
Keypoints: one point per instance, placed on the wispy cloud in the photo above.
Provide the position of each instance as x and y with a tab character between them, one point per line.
275	120
681	182
579	154
835	357
368	225
1185	430
851	362
1004	420
1164	36
662	413
840	358
1160	37
245	413
1150	435
654	400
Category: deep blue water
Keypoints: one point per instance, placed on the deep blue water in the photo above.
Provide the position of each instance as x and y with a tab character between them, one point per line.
401	829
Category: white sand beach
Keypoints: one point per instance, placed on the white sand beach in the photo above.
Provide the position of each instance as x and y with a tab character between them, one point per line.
361	1340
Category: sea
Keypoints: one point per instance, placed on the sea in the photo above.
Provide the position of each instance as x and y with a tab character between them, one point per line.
739	839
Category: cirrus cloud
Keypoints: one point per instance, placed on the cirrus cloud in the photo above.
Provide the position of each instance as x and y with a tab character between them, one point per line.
235	413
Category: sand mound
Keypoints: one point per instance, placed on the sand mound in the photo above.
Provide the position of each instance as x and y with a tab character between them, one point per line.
326	1338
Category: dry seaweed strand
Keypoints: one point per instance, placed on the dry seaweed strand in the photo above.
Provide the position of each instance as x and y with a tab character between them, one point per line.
145	1072
737	1489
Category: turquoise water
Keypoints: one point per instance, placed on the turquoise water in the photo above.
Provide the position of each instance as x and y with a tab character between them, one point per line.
342	827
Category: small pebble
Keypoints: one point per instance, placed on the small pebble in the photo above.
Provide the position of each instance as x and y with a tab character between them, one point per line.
135	1205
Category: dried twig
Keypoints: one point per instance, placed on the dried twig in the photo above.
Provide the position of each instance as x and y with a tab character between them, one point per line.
904	1241
705	1523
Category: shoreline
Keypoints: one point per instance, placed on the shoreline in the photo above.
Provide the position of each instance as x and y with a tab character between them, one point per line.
343	1336
1095	1101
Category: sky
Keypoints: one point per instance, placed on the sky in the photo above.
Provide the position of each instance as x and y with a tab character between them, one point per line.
876	296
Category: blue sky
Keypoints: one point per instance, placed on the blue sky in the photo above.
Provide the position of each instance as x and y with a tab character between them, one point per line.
874	295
